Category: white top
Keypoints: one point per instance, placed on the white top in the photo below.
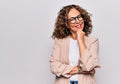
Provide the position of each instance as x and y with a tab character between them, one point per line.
73	56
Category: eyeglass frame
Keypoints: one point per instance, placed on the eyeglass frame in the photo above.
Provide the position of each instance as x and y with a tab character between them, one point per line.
78	17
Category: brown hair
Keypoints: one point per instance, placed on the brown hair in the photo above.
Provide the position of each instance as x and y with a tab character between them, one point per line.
61	29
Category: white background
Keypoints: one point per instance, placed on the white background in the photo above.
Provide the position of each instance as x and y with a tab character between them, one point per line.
26	27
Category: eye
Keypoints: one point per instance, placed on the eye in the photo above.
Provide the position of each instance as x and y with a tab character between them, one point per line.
79	16
71	19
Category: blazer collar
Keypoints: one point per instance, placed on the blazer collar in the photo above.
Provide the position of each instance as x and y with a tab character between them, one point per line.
67	43
86	38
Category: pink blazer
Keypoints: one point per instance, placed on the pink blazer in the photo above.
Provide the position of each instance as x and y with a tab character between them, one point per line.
59	61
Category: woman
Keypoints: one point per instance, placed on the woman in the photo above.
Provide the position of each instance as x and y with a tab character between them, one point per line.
75	53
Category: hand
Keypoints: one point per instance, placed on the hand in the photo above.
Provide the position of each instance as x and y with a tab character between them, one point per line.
74	71
92	72
80	34
81	41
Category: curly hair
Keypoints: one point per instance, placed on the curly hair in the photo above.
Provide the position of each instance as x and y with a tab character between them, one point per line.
61	29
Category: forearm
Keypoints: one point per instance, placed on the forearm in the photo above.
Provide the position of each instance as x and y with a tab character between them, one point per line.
58	68
89	58
82	46
78	70
92	72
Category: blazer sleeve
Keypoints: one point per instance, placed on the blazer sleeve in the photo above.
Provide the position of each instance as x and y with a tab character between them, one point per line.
89	60
57	67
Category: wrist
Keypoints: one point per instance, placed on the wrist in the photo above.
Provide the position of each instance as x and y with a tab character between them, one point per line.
79	70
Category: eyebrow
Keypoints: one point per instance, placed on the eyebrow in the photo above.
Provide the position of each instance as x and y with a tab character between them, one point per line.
75	16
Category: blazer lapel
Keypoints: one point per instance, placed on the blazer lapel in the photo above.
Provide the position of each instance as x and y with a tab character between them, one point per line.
87	41
66	45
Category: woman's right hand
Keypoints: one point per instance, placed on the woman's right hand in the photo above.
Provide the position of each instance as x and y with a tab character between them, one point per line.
92	72
74	70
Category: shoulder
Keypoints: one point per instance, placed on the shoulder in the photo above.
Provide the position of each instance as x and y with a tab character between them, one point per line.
58	41
92	39
61	41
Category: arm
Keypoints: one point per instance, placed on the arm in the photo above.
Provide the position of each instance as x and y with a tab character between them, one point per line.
78	70
57	67
89	57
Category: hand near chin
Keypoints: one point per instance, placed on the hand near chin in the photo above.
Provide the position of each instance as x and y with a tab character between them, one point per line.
80	35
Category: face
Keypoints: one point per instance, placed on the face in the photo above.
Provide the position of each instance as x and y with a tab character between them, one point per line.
75	21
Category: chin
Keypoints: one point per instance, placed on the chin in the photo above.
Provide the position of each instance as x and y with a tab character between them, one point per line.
79	29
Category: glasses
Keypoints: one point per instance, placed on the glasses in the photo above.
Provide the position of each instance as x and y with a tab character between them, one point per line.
74	20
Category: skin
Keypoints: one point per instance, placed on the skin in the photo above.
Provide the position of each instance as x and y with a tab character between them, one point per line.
78	34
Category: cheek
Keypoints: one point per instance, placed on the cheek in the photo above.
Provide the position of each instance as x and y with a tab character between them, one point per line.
83	25
71	26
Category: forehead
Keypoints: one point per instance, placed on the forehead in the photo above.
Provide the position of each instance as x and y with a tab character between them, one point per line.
73	13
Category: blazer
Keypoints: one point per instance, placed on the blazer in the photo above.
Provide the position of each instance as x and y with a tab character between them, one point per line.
59	60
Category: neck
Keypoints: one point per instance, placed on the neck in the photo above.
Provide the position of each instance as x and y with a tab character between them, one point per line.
73	36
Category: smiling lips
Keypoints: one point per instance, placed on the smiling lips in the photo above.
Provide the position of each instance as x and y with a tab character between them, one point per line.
79	26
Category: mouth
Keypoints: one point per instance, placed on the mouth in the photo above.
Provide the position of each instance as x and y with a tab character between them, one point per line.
79	26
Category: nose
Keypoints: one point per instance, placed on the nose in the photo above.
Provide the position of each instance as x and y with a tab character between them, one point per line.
77	20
